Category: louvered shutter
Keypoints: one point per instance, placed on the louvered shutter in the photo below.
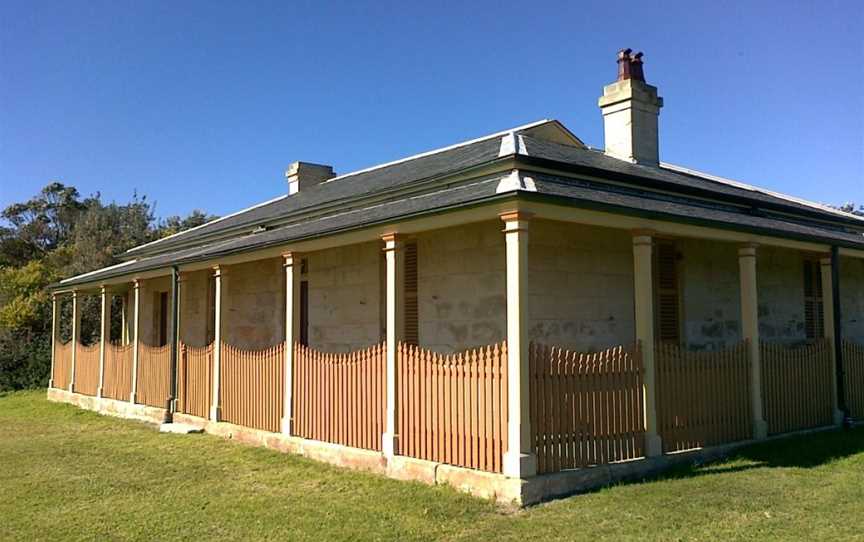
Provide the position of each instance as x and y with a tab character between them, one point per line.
813	310
411	332
667	297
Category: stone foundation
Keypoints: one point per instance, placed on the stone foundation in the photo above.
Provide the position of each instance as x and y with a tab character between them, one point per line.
109	407
497	487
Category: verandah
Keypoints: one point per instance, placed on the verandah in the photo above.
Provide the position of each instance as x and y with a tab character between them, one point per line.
587	408
579	408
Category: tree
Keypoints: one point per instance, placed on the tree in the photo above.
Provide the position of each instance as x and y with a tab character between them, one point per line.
849	207
39	225
175	224
58	234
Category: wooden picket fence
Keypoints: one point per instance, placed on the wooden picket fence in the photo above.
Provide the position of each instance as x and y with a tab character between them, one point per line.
87	369
251	386
797	386
62	364
703	398
117	381
453	408
340	398
586	408
154	376
195	380
853	367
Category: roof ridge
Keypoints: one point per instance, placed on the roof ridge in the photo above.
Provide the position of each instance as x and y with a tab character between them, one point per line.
352	173
502	133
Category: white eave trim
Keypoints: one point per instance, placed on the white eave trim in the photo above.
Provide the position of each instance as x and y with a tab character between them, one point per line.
443	149
744	186
91	273
221	218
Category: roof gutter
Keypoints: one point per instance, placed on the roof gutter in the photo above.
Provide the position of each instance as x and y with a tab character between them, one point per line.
527	196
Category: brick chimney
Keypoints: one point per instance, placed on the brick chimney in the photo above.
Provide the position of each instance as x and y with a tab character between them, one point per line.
630	108
301	175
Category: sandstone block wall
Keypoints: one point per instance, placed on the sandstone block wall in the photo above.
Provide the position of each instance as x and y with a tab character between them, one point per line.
196	311
580	286
254	304
852	298
461	287
710	294
148	319
345	309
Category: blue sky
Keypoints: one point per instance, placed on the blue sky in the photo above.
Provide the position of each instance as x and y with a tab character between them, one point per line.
204	104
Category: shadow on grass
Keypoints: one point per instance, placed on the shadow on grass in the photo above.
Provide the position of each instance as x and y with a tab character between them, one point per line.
800	451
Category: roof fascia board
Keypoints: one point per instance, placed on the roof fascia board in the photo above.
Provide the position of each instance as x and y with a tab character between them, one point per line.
590	213
852	253
453	179
707	229
517	129
764	191
677	189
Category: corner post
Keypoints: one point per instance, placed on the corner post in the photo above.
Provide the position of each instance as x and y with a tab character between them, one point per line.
394	254
292	326
76	337
519	459
828	332
136	312
55	330
750	331
837	321
218	277
171	400
643	303
104	331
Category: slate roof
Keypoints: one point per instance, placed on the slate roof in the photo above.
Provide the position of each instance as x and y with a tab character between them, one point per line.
377	196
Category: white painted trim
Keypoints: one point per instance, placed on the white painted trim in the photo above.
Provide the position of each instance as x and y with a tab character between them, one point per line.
82	275
442	149
515	181
744	186
221	218
521	146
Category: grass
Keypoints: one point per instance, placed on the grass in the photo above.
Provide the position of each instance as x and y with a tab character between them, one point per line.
71	474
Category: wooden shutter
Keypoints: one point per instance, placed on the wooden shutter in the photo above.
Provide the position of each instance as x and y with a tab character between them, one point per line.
163	318
813	310
411	332
667	310
304	313
211	309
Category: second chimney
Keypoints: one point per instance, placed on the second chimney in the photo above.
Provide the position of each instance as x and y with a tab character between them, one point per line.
301	175
631	109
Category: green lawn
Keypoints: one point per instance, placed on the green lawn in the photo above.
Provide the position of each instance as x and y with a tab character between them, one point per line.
71	474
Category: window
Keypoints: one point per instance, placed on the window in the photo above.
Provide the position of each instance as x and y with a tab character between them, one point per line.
814	315
411	332
667	298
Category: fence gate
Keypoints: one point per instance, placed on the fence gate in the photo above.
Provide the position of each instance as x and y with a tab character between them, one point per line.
195	380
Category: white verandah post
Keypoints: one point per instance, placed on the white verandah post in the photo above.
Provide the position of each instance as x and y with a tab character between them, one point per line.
394	254
136	311
104	332
643	303
519	460
76	337
750	332
828	323
55	330
292	327
219	278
